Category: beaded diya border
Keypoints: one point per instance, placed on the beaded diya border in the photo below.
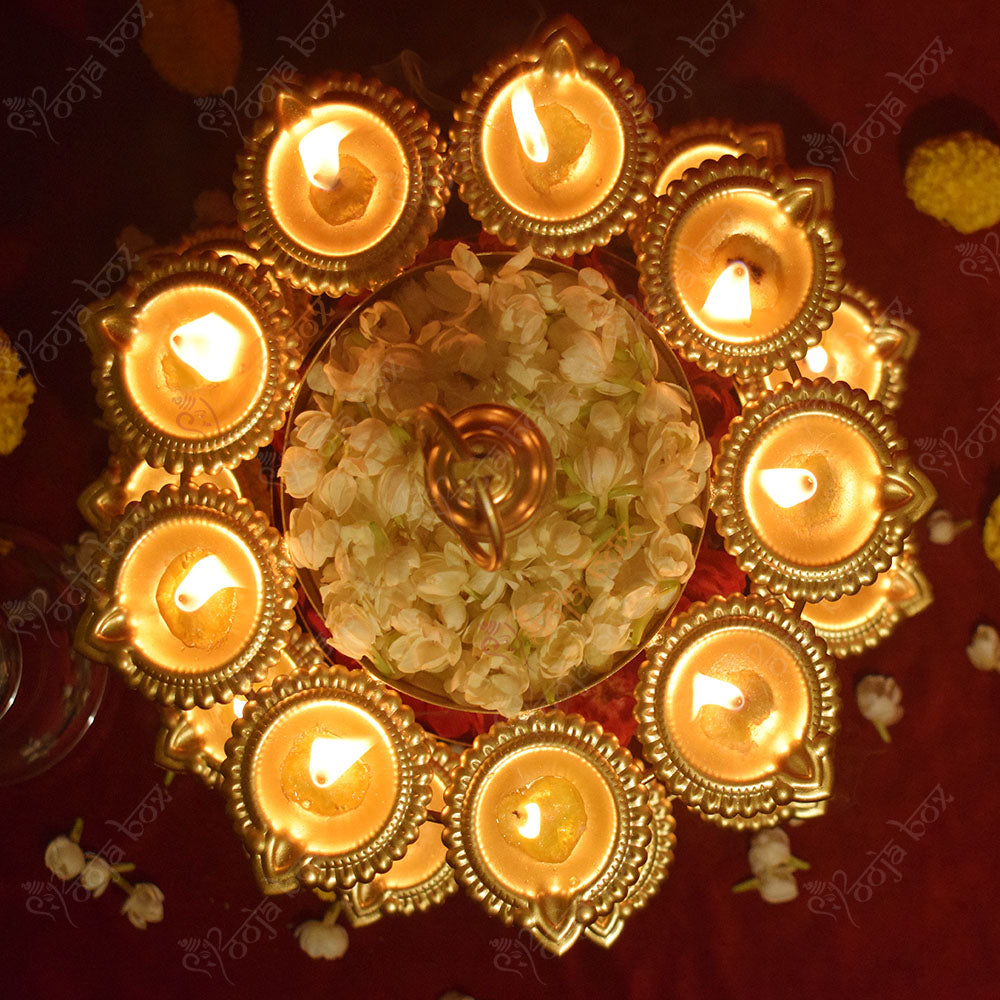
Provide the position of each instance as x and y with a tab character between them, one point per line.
893	340
805	197
366	902
906	486
104	633
178	745
428	189
774	797
853	641
559	237
279	864
555	921
660	855
111	324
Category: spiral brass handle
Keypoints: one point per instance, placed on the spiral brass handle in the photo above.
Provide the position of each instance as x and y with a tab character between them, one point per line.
439	427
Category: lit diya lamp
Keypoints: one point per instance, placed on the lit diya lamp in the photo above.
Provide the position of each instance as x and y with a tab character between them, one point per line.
554	146
864	347
193	362
193	598
422	878
341	186
740	264
228	241
660	854
195	740
125	480
815	492
856	622
327	778
547	824
736	712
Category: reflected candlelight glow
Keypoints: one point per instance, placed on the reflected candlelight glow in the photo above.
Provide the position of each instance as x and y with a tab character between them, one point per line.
203	581
532	824
729	298
788	487
319	149
209	344
330	758
712	691
529	128
817	359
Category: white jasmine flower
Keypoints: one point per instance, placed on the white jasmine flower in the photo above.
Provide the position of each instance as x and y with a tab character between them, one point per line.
64	858
144	905
943	529
95	876
384	321
879	700
984	649
769	849
301	469
352	630
778	886
320	939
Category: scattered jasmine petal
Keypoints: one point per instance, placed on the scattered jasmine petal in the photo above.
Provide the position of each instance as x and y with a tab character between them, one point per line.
320	939
879	699
984	649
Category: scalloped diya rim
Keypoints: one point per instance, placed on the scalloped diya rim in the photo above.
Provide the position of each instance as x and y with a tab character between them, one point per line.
910	492
179	747
656	629
279	864
605	930
429	189
366	902
103	632
855	640
621	206
762	140
778	795
109	326
806	197
893	340
555	921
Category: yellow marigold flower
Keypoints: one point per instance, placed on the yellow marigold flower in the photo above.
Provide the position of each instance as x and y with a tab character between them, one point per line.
17	390
991	533
193	44
956	179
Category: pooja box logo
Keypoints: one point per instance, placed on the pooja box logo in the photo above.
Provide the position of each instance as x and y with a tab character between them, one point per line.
830	899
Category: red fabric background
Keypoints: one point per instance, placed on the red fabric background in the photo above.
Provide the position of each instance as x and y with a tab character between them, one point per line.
137	155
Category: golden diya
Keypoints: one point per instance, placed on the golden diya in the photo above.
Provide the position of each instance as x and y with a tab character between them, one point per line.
554	145
740	264
547	824
193	597
691	144
195	740
864	347
855	622
328	779
422	878
341	185
127	479
659	856
815	491
736	710
193	362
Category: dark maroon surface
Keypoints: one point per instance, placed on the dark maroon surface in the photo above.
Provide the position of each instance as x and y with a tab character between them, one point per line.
136	154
